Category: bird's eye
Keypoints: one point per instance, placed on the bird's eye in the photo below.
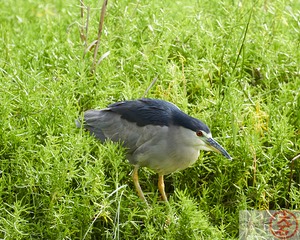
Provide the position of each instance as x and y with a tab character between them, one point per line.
199	133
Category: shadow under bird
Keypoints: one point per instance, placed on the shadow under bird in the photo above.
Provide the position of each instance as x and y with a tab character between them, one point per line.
156	134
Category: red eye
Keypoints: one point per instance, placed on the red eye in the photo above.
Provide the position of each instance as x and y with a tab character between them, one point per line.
199	133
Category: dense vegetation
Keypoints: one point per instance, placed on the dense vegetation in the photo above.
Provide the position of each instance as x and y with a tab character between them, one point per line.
232	64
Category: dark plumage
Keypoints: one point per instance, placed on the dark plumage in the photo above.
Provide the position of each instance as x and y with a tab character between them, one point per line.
155	112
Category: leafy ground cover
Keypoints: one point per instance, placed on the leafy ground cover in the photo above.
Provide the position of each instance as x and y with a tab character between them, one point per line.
232	64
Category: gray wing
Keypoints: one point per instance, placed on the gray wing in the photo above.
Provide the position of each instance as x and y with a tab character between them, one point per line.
130	122
105	124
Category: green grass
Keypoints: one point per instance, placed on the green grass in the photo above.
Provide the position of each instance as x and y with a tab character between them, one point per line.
232	64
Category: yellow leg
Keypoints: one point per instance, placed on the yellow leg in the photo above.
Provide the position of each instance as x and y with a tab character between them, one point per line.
161	187
138	188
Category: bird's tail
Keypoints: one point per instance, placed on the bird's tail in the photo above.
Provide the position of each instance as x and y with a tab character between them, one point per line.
78	123
92	122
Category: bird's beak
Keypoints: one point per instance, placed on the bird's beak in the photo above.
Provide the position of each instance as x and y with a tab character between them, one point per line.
216	147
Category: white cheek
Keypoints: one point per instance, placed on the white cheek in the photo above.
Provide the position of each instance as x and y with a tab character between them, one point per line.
188	137
208	135
204	147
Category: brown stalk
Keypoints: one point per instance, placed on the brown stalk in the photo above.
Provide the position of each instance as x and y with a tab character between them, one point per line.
83	36
103	10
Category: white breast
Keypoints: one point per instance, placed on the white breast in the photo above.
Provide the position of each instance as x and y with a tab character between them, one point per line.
172	149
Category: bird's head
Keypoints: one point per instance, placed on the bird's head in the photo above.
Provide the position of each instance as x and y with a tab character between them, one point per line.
207	143
199	133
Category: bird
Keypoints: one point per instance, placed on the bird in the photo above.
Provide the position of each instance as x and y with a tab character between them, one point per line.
155	133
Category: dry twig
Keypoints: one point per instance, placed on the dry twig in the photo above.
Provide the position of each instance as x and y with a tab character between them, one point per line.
103	10
150	86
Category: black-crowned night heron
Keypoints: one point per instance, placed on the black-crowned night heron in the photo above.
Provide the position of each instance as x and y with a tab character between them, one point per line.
156	133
